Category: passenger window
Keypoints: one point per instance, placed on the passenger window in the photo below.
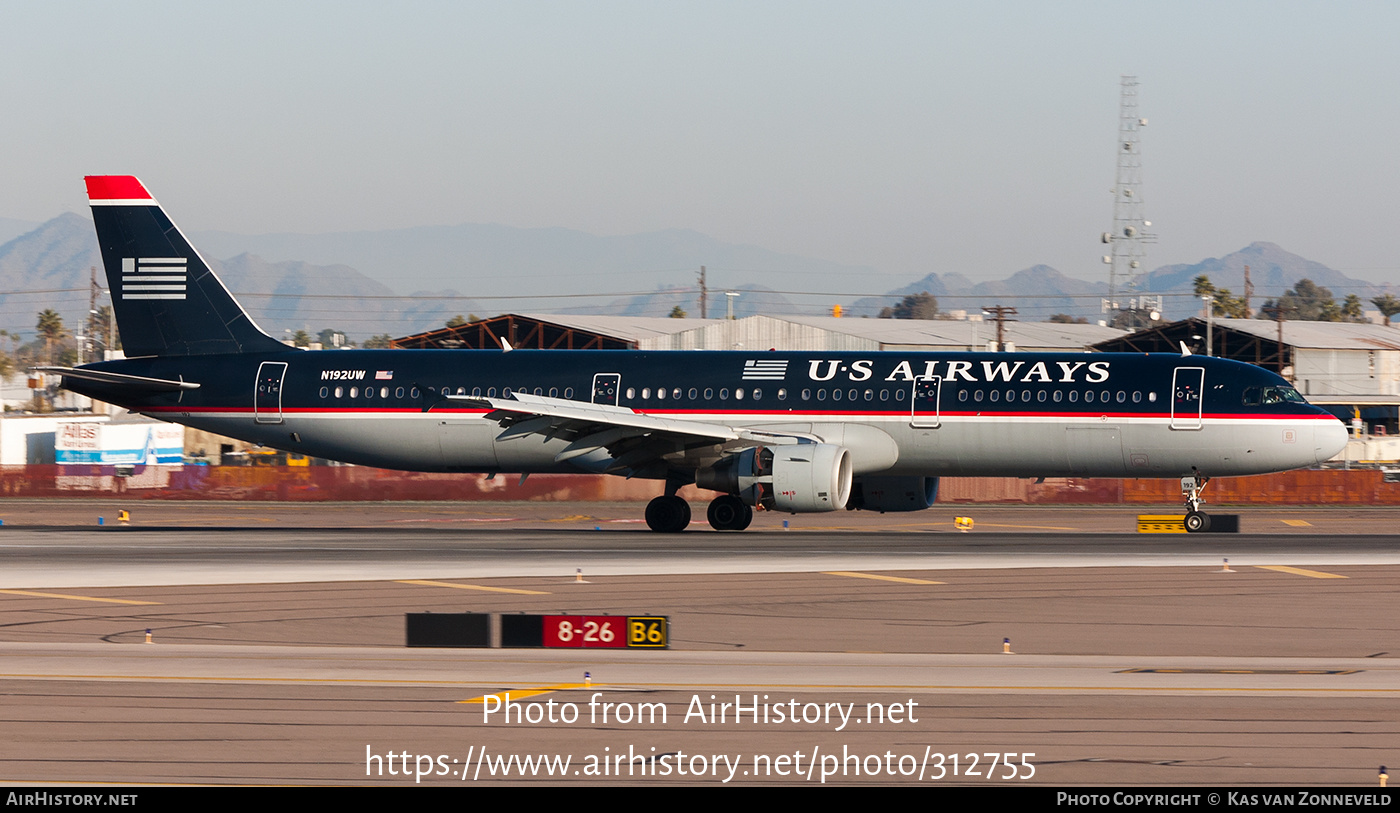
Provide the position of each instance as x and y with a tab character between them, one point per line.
505	393
1026	396
676	393
632	393
1073	396
782	393
1040	396
568	392
835	395
476	392
821	394
1058	396
354	392
739	394
413	392
899	394
977	396
807	395
995	395
962	395
491	392
884	395
709	393
693	393
339	392
1152	397
324	391
1137	397
1122	396
398	392
870	395
757	394
724	393
1089	397
553	392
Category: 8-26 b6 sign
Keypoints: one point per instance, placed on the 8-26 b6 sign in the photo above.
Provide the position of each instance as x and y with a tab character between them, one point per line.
606	631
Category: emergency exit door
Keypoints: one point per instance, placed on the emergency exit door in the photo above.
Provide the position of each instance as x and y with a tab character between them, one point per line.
267	394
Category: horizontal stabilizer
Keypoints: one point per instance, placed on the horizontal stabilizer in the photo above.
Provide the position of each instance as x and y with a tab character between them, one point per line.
135	382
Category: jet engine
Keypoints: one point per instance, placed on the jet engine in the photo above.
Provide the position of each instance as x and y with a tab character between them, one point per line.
894	493
800	478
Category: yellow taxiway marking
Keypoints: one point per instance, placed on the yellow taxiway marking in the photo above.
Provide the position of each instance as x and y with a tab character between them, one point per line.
524	693
1298	571
426	583
1298	523
1033	527
900	579
76	598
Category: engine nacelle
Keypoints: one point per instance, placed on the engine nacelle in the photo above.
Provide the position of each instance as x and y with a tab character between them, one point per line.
810	477
894	493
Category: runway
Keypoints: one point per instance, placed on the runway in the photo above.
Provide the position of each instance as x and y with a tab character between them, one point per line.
277	650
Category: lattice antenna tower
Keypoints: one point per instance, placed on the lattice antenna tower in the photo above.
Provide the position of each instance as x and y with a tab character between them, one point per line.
1129	237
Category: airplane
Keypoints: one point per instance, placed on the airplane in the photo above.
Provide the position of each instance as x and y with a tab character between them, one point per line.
796	432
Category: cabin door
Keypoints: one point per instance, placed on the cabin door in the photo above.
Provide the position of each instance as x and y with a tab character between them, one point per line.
926	395
606	387
267	393
1188	389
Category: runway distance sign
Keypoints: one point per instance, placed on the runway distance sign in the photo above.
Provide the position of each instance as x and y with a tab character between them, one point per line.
606	632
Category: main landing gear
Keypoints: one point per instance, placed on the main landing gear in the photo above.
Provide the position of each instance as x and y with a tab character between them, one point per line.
1196	520
670	514
729	513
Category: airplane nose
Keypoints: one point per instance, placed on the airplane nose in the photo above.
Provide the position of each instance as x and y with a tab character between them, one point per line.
1329	439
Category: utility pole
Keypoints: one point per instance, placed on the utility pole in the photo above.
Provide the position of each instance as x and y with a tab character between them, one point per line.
704	295
1276	311
1248	293
1001	313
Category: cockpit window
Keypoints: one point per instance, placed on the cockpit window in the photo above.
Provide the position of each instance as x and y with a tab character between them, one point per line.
1267	396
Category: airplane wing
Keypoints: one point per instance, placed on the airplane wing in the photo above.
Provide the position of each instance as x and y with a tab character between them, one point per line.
630	437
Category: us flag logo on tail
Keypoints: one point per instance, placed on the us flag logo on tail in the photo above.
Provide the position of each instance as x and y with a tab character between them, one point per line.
765	369
153	277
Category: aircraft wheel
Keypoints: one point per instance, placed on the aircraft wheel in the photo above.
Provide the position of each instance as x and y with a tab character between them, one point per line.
1197	521
668	515
729	513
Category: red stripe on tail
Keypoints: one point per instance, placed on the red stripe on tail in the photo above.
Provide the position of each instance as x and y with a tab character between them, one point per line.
115	187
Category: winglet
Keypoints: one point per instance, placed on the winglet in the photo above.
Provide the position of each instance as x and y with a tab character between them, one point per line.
117	190
1185	351
505	345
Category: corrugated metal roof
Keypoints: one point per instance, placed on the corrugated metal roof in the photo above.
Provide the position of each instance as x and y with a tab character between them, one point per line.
634	328
1320	335
961	333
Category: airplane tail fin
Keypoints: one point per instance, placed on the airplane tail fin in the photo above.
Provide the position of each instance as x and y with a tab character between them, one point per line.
168	301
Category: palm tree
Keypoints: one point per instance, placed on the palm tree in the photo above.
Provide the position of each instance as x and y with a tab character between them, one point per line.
50	329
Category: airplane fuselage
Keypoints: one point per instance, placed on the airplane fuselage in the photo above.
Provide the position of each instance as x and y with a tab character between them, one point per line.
900	413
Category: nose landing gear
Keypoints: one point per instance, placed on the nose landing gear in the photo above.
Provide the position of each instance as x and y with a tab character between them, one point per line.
1196	520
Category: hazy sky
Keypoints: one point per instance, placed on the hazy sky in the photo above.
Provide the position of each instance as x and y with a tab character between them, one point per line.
908	136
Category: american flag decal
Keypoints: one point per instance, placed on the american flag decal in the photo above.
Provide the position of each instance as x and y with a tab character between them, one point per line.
765	369
384	375
153	277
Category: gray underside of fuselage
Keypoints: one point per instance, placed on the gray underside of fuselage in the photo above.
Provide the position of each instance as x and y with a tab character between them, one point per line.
966	446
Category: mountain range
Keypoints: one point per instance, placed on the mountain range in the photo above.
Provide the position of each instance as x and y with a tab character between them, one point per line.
367	283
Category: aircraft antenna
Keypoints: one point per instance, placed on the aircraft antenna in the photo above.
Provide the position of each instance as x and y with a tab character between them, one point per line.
1128	239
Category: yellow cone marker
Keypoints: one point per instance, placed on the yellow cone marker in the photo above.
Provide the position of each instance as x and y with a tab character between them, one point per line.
148	637
1006	647
1225	568
123	516
1384	777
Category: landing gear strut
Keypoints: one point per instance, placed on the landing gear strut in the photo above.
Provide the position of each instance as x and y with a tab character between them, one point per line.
729	513
1191	487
